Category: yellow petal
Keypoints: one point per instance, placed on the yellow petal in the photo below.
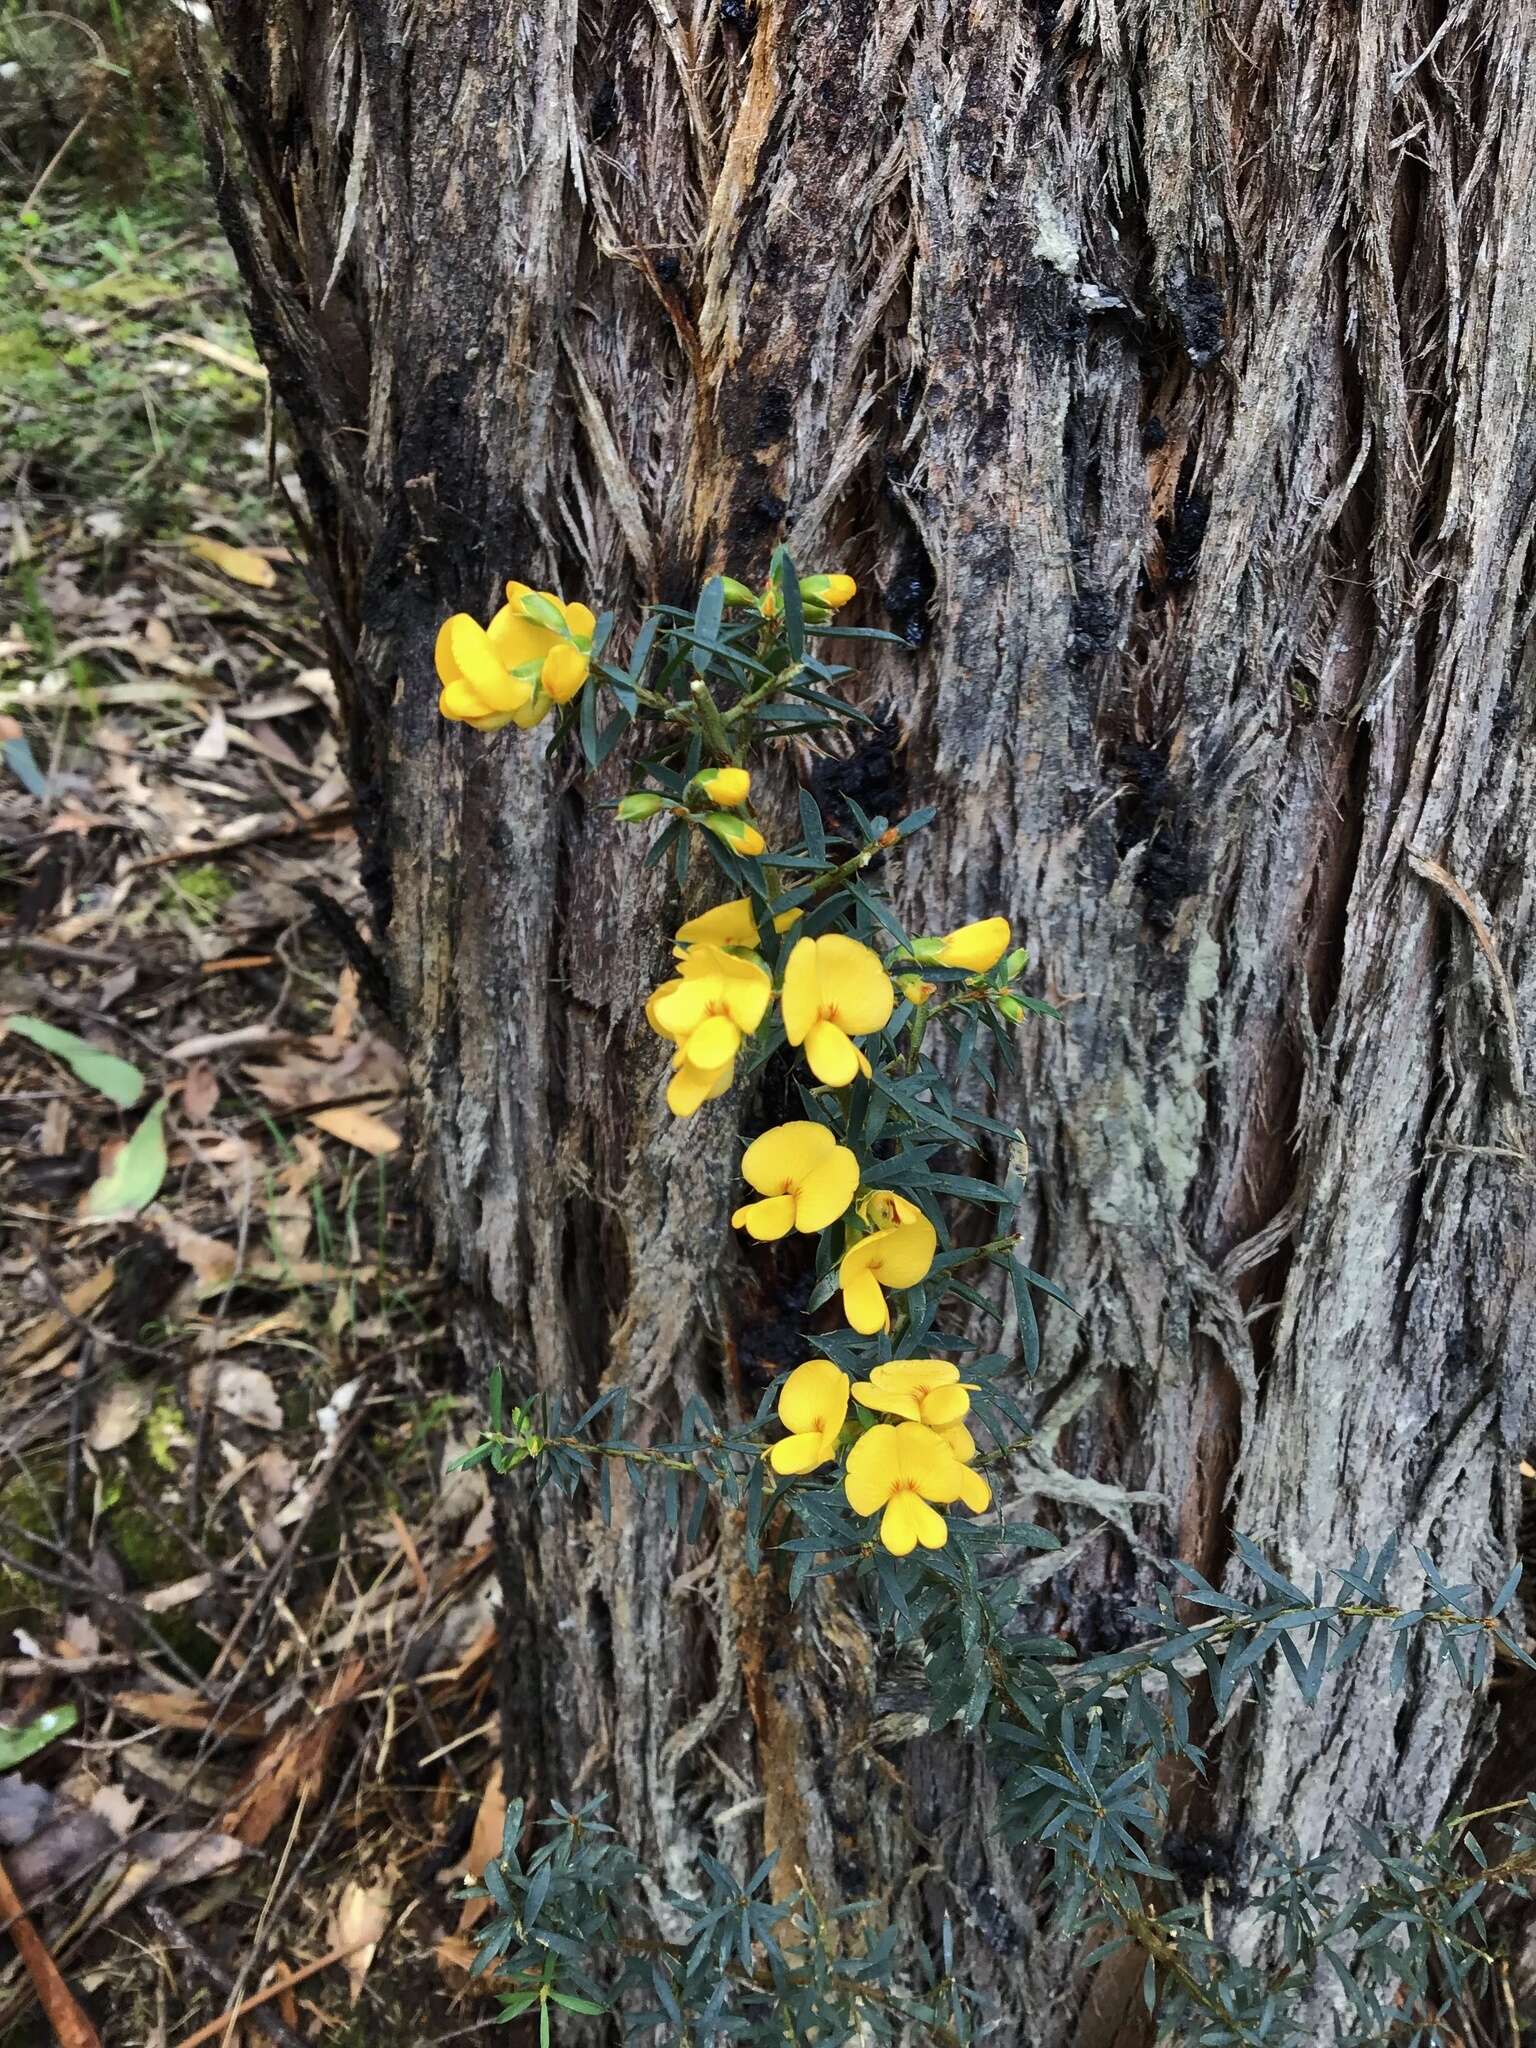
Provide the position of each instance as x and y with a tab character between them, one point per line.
974	1491
794	1454
872	1470
768	1220
464	654
827	1190
713	1043
726	786
678	1008
565	670
781	1159
830	1055
907	1252
728	924
747	991
886	1400
581	620
801	1000
691	1086
977	947
855	983
539	706
815	1397
909	1521
927	1462
915	1376
885	1210
515	640
944	1405
960	1441
863	1303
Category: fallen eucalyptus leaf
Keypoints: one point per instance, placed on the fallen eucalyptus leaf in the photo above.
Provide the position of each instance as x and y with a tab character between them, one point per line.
119	1080
133	1179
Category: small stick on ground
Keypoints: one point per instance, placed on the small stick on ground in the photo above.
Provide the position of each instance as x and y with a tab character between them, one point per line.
171	1930
70	2026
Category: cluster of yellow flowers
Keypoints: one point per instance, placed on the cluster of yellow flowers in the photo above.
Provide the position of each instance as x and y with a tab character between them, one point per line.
835	991
903	1471
535	654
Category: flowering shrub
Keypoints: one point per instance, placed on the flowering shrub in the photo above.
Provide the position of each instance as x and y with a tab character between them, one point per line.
881	1457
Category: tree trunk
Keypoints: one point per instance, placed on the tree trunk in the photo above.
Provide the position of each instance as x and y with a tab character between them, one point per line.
1163	373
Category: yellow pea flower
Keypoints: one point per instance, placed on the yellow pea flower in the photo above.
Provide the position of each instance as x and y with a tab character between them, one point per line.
716	1001
975	947
534	654
899	1256
835	990
537	626
813	1404
728	924
805	1176
896	1472
924	1390
727	787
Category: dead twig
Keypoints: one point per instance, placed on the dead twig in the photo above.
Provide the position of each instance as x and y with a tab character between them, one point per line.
268	1991
70	2026
171	1930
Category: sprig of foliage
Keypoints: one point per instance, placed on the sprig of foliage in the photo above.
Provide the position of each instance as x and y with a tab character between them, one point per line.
890	1169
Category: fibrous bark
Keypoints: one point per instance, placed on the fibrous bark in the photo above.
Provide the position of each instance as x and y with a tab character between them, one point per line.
1163	372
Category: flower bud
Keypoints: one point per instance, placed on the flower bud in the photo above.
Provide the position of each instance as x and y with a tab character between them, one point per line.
914	988
639	805
926	952
727	787
830	592
1016	964
738	593
737	833
1011	1008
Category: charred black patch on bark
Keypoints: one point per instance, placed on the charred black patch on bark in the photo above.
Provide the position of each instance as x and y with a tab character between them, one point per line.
1154	815
1195	302
739	16
1154	435
1095	626
1183	533
874	775
1200	1862
604	111
775	411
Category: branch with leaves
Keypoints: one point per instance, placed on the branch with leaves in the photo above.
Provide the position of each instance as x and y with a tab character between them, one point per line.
893	1428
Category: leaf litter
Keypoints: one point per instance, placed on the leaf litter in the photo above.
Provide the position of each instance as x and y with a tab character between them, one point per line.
242	1595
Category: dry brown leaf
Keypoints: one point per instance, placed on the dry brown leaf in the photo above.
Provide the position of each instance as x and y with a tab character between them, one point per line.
242	565
360	1128
213	742
455	1955
227	358
292	1758
78	1300
161	1599
484	1845
200	1092
358	1925
213	1263
117	1415
189	1712
244	1391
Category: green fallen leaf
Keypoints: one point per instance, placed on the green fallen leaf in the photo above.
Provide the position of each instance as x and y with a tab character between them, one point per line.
117	1079
17	1744
133	1180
